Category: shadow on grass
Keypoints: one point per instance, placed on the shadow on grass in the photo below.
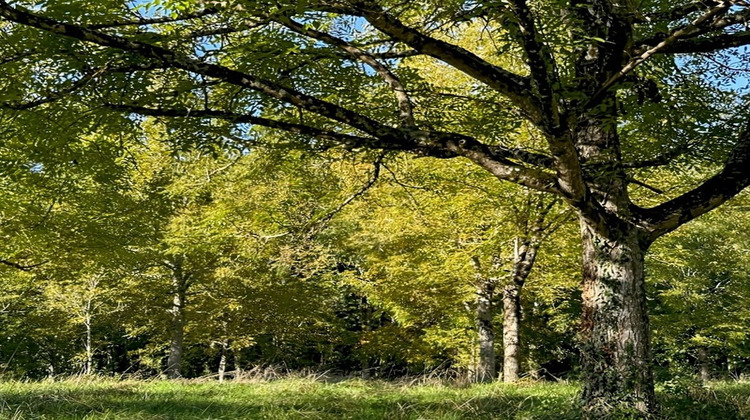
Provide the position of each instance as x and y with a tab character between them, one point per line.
323	404
311	401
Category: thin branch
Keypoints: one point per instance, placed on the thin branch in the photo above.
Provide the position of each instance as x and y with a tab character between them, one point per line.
705	45
660	160
406	113
680	12
21	266
541	64
400	183
645	185
318	225
673	37
78	84
153	21
50	97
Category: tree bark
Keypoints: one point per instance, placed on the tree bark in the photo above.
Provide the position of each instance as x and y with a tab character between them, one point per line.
511	336
705	370
89	345
179	292
484	370
615	349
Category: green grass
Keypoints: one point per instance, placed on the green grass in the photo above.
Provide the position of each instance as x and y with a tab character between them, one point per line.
349	399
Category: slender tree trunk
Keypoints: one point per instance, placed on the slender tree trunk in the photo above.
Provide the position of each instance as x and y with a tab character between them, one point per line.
223	360
511	335
484	370
89	347
174	361
615	352
525	256
87	311
705	370
366	314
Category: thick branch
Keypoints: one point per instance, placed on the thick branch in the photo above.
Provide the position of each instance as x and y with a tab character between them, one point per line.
705	45
673	37
541	64
515	87
710	194
499	166
521	155
181	61
305	130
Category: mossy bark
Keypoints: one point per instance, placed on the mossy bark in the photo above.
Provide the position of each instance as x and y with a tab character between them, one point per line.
615	350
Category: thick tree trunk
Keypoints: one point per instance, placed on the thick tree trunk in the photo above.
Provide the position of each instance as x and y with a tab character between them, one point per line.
484	370
511	336
174	361
615	352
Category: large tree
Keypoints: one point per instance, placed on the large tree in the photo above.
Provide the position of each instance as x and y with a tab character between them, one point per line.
329	72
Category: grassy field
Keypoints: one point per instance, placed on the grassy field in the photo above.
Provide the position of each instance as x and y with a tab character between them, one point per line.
348	399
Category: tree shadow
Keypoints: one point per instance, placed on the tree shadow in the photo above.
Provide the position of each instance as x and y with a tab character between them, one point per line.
322	402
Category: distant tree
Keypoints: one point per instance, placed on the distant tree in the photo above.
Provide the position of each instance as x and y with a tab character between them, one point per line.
701	289
433	239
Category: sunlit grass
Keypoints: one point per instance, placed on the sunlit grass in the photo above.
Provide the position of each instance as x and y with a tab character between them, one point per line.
309	398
